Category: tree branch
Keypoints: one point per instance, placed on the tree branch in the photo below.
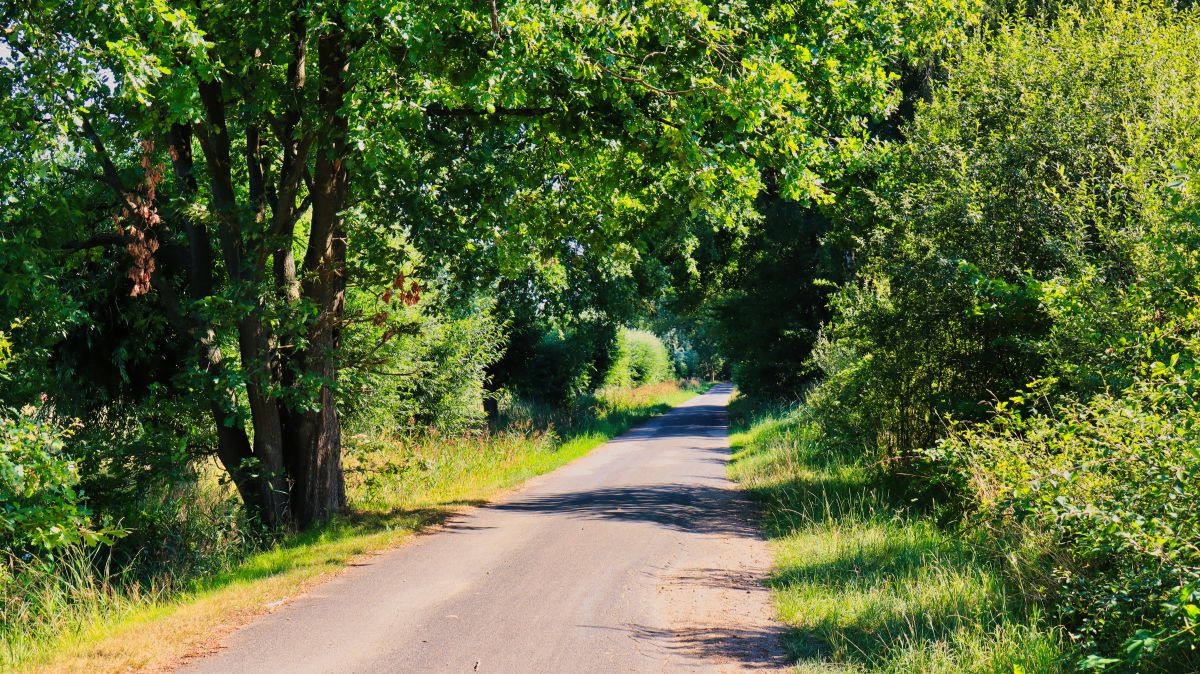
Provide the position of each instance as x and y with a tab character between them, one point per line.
495	20
658	90
200	273
110	177
214	142
293	170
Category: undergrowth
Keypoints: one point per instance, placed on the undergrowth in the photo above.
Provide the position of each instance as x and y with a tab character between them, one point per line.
869	583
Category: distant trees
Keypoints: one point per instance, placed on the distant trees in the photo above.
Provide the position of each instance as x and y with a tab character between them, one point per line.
773	301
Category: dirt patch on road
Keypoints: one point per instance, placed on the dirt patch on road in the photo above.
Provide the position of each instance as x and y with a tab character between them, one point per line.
719	607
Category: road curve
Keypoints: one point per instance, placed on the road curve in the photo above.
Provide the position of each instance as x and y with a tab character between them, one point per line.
639	557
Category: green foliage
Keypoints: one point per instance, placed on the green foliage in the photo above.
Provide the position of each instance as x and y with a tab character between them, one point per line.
641	359
260	163
41	508
686	360
689	337
420	368
556	366
772	302
867	582
1014	233
1038	224
206	206
1109	488
285	179
1105	487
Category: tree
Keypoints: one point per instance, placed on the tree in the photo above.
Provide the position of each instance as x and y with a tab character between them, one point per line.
308	139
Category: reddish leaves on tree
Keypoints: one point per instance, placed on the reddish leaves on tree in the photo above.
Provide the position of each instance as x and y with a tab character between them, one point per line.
404	290
409	291
136	221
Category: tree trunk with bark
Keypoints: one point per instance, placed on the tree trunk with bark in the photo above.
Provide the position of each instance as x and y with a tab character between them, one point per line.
319	490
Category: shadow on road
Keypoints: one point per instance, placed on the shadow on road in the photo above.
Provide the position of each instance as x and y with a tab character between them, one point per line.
694	508
750	648
681	507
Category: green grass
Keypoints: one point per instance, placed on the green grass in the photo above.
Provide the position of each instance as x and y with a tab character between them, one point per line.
869	585
78	621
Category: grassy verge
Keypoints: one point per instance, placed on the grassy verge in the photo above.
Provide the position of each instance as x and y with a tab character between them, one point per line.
398	486
868	585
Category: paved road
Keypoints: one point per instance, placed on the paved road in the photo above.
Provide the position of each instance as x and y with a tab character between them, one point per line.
640	557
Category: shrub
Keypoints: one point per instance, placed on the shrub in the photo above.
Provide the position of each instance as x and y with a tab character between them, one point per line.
686	360
41	509
1029	231
1016	232
1108	490
556	366
421	369
641	359
1104	488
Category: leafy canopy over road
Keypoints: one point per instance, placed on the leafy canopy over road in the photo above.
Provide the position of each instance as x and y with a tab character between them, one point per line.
248	162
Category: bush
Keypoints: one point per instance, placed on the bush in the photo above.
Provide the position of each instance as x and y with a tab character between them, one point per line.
1030	231
641	359
1107	490
555	366
421	369
40	508
1104	488
686	361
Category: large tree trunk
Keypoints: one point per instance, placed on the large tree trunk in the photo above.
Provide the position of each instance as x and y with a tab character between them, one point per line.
254	339
318	490
233	444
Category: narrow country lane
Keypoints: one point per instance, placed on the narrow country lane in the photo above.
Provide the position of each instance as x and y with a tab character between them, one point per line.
640	557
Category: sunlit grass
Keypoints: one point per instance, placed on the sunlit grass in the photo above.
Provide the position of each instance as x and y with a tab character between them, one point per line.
398	485
868	585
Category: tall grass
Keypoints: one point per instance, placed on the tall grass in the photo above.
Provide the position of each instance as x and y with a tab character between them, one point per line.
40	598
867	583
74	613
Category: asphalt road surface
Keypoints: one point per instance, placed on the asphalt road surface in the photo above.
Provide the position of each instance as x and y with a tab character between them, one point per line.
639	557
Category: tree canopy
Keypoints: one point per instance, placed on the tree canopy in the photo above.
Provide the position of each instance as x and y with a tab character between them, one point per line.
193	193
